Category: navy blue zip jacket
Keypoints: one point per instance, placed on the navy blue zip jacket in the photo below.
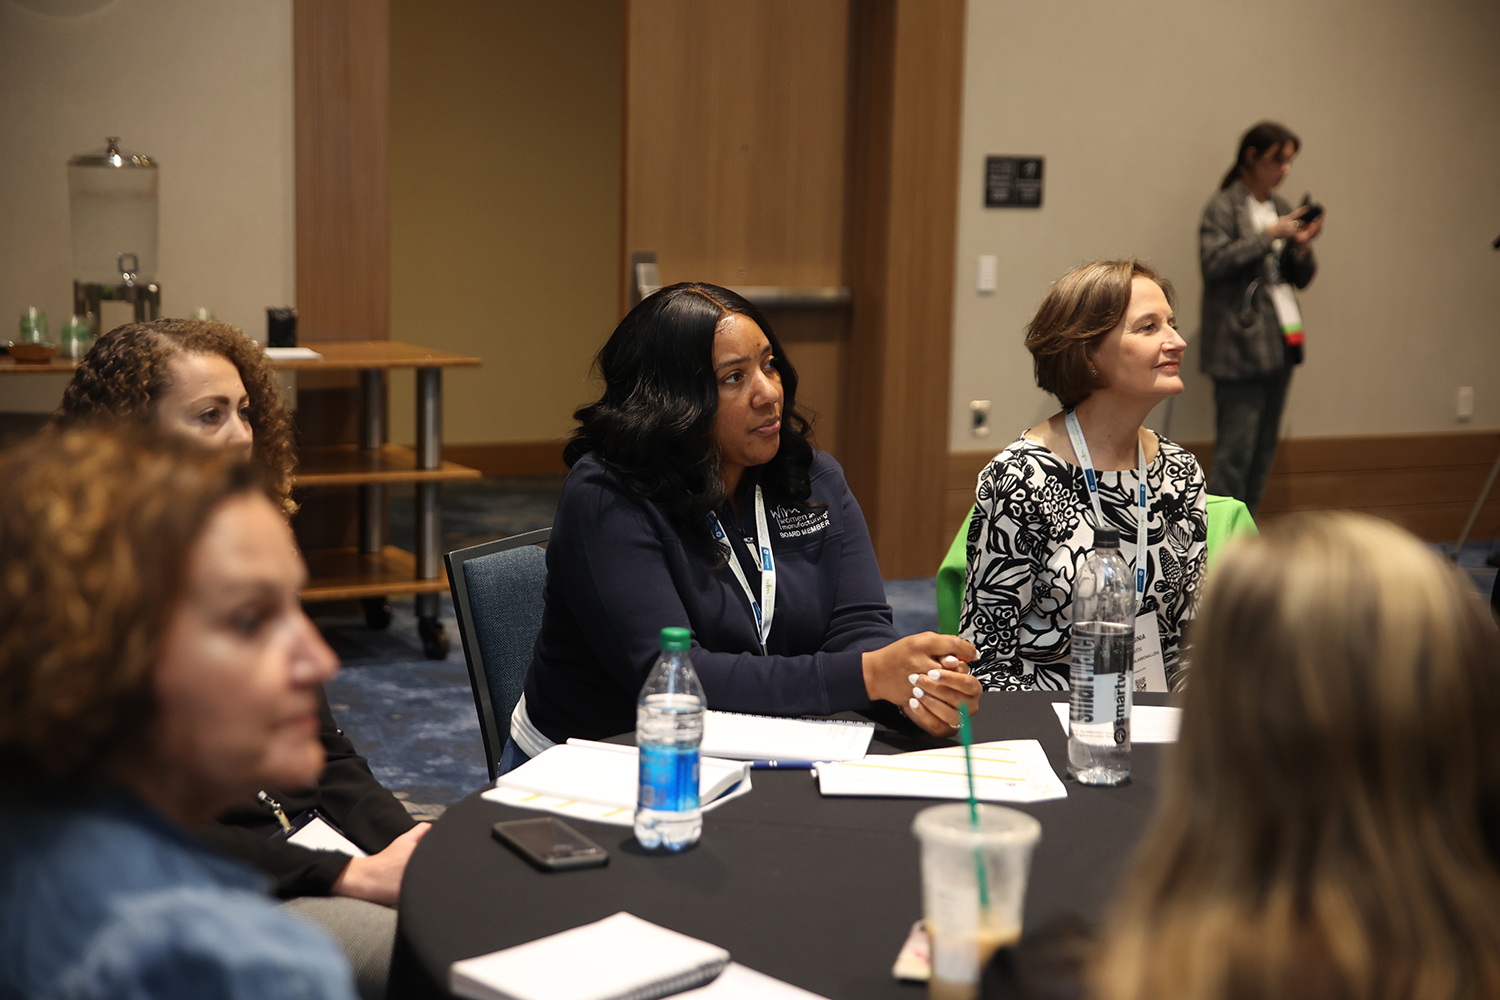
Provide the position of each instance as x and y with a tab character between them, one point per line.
618	572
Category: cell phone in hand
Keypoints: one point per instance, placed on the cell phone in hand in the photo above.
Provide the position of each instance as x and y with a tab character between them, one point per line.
1313	210
550	844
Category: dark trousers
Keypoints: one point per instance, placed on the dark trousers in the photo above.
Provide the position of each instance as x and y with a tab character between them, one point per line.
1249	417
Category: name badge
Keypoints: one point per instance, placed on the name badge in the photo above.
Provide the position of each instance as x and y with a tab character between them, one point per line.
1150	665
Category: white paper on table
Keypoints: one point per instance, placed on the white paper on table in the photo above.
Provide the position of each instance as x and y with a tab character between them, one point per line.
292	354
598	782
592	812
619	956
1004	771
737	982
763	737
1148	723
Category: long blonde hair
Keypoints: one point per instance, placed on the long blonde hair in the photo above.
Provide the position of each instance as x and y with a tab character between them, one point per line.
1329	824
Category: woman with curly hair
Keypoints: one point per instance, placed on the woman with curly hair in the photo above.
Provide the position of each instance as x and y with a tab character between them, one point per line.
203	380
1329	825
209	384
155	667
695	457
1105	343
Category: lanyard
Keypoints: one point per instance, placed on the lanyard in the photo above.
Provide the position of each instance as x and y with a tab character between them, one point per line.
1081	449
765	608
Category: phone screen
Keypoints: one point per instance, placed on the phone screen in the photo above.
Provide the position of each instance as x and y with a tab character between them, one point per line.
550	843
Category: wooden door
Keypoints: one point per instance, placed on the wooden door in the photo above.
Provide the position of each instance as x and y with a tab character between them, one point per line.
814	144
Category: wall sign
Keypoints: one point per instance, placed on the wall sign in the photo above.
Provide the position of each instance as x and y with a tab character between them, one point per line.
1012	182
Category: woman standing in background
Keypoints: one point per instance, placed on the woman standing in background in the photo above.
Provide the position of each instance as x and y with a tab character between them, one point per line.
1253	249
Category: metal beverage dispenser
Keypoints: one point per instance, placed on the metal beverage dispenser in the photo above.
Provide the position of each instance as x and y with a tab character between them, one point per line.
112	201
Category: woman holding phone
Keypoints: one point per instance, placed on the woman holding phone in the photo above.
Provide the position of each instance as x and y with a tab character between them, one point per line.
1254	249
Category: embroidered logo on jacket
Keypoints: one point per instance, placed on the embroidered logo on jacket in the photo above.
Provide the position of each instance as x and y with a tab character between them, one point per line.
792	523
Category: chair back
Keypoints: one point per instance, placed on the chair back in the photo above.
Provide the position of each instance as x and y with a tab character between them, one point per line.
497	595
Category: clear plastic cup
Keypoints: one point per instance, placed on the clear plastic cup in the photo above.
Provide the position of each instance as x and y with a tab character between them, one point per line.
964	925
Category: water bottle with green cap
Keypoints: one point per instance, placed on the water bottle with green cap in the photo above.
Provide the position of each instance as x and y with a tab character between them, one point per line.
668	733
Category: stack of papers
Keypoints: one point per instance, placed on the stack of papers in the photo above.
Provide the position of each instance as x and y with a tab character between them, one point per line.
1148	723
598	782
618	958
765	737
1004	771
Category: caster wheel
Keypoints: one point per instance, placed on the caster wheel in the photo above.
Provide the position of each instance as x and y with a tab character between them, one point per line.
377	612
434	639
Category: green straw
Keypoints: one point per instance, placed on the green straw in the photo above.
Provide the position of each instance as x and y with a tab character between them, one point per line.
966	736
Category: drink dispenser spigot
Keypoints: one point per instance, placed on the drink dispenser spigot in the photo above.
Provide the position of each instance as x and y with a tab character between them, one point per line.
112	202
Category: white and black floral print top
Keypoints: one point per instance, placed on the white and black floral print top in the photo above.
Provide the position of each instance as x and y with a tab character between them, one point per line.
1032	523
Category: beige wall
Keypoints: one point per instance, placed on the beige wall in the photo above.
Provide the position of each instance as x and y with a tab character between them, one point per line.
1138	109
204	86
505	204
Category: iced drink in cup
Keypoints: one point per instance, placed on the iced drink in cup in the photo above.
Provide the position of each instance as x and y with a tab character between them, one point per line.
965	924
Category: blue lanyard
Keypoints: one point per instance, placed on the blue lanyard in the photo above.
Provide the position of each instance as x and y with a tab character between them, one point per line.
1081	449
765	608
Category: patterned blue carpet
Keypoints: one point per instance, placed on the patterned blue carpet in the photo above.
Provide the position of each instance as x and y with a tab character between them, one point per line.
414	719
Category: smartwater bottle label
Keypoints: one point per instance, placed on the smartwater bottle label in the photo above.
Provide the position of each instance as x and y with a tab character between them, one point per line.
669	777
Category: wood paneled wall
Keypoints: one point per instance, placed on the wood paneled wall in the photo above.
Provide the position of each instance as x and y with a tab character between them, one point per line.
815	143
734	139
903	187
341	74
341	85
734	162
1427	483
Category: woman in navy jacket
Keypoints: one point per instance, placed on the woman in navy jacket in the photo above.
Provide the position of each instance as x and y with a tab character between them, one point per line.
694	463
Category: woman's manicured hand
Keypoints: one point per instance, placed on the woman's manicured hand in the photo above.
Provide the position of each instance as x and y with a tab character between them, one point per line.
926	676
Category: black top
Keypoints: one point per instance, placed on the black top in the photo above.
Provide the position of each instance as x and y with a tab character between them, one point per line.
618	571
346	792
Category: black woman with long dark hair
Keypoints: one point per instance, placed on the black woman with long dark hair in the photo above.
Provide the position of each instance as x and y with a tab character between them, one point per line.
693	459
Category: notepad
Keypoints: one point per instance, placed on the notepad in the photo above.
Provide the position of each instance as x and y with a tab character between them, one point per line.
764	737
1148	723
598	782
621	957
1004	771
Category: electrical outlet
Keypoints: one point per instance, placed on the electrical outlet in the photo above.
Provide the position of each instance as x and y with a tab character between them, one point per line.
1465	402
979	417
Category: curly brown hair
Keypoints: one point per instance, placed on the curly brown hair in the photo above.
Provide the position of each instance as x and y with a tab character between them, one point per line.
96	527
127	371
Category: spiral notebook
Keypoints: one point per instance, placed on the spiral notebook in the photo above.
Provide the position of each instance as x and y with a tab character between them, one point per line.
621	957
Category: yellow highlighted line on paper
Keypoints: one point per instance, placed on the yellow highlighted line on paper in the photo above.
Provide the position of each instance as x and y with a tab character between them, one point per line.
928	770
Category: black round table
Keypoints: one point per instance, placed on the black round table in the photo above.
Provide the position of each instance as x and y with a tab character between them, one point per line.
817	892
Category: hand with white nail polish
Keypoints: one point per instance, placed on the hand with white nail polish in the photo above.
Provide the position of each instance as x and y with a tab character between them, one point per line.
936	674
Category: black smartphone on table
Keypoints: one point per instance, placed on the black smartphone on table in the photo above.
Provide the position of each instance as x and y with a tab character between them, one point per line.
550	844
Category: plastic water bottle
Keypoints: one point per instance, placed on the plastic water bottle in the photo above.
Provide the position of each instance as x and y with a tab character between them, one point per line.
1101	673
668	732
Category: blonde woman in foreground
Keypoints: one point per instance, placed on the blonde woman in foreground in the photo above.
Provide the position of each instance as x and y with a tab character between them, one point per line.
1329	824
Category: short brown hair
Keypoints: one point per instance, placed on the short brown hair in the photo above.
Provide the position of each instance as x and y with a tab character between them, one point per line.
1076	313
126	372
96	527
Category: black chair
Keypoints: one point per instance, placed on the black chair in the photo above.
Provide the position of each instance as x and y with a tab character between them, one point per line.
497	594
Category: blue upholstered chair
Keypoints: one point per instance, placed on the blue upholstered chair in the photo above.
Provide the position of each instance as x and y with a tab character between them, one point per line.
497	594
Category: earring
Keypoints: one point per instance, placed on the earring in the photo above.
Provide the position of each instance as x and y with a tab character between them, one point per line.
1094	372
